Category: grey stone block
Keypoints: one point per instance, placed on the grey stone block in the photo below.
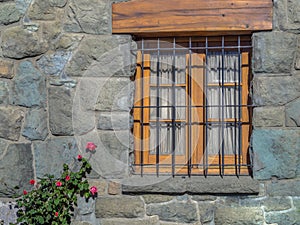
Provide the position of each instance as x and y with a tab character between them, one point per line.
297	60
41	10
296	202
273	52
16	169
60	111
116	94
175	211
268	116
207	212
193	185
114	121
120	207
275	153
81	223
286	218
10	122
29	86
89	16
53	64
157	198
284	188
277	204
4	92
19	43
153	220
3	146
6	68
51	154
286	15
292	116
86	211
9	13
225	215
116	143
68	41
58	3
275	91
8	213
36	124
103	56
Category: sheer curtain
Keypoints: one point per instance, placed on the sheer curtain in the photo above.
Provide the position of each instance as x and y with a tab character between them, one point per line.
222	102
161	95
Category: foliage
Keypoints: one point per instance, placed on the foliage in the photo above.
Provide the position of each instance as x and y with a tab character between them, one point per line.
53	200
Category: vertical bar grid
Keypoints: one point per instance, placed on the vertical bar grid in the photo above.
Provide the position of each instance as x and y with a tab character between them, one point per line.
223	125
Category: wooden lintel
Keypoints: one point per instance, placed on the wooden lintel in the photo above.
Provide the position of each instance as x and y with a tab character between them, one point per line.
144	17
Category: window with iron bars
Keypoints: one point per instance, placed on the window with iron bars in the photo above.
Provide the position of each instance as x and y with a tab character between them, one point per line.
192	109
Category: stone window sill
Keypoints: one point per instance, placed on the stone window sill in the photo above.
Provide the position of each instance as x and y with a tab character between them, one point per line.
191	185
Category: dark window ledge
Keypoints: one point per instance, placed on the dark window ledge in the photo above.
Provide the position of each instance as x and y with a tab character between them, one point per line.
191	185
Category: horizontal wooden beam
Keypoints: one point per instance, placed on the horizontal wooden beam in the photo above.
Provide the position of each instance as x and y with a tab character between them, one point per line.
191	16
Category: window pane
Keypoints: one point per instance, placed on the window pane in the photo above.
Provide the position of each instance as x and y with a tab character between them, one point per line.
164	133
164	103
162	69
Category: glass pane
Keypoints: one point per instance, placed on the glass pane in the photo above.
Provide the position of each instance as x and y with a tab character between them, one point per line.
229	99
164	102
229	136
162	70
230	71
165	139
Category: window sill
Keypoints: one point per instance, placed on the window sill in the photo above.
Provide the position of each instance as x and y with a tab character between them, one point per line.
191	185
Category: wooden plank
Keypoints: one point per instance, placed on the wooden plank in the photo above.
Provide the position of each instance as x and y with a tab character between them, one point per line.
137	111
197	97
245	110
146	111
144	16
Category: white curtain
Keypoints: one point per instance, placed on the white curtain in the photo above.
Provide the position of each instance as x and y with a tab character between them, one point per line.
161	86
222	102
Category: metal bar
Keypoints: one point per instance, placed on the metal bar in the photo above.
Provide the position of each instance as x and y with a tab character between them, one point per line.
197	48
190	108
222	109
239	107
193	106
173	109
142	111
157	110
205	155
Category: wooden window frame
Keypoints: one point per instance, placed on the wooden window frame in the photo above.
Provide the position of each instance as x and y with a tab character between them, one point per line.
195	162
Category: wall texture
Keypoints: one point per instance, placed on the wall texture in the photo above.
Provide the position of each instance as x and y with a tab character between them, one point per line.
65	80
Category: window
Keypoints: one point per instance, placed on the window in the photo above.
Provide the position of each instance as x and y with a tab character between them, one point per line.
192	109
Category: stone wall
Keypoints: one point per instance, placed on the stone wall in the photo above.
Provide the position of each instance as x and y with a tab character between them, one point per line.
65	80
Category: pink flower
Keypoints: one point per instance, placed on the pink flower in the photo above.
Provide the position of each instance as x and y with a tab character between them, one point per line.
25	192
93	190
58	183
68	178
32	182
91	146
56	214
79	157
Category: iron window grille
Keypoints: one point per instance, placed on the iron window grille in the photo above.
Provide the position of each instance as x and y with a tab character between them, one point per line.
192	110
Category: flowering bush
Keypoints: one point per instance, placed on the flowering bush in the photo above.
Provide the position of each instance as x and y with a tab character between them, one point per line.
52	200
